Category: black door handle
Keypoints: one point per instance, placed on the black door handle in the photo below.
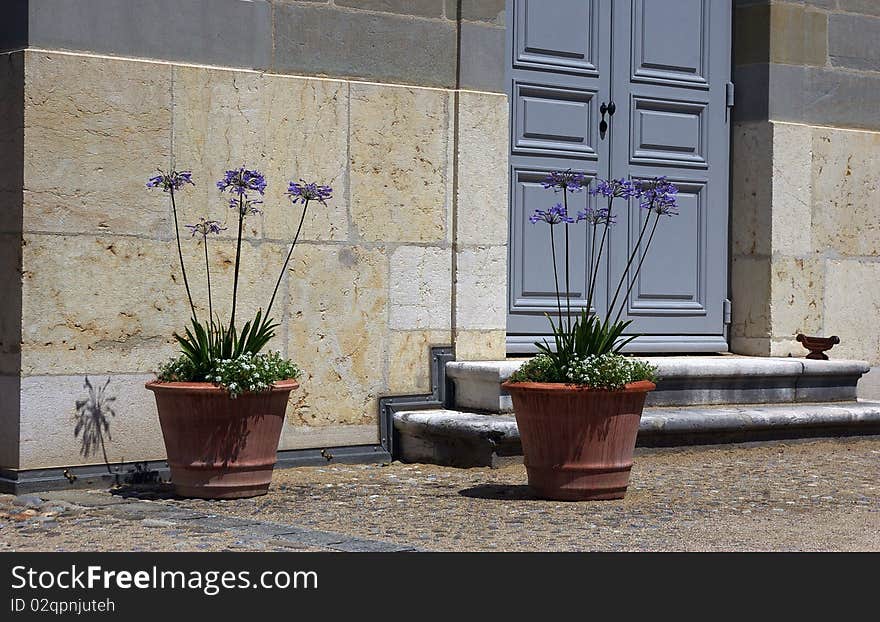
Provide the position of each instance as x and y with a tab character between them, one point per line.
610	108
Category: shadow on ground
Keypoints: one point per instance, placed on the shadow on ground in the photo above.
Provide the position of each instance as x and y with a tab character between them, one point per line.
505	492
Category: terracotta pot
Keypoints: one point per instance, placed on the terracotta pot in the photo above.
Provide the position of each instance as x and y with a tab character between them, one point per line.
218	447
578	442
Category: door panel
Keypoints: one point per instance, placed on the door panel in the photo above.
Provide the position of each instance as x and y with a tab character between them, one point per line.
666	65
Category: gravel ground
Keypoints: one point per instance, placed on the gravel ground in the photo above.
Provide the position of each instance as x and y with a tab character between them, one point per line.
820	495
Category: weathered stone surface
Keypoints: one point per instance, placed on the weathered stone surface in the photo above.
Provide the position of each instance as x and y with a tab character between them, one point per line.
95	130
421	288
480	345
852	306
750	283
798	290
798	35
338	306
288	128
846	178
792	189
751	189
111	304
10	309
49	419
409	364
11	141
477	10
481	292
854	41
482	161
297	436
483	63
399	163
419	8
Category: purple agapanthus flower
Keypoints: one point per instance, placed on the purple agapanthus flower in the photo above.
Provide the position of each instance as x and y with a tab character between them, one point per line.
247	206
555	215
600	216
658	195
173	180
568	180
304	192
615	188
241	181
205	227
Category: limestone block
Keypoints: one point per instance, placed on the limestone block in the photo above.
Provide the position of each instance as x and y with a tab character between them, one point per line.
95	128
305	437
846	180
421	287
483	147
750	285
111	304
287	128
852	306
751	189
481	288
409	365
338	305
49	418
480	345
792	189
399	163
798	290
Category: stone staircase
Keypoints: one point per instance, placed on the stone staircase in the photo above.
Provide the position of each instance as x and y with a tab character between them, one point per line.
698	400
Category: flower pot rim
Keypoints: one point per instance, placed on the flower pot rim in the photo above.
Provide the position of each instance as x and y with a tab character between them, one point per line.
640	386
208	387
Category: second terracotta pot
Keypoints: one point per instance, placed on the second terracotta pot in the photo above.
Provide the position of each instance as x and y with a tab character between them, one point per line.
578	442
219	447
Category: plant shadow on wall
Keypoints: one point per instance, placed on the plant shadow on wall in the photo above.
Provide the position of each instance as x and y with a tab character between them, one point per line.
579	402
222	401
92	420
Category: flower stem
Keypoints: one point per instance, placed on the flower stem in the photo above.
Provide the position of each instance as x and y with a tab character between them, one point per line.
237	258
567	281
208	273
638	268
555	273
592	267
599	256
289	253
623	276
180	254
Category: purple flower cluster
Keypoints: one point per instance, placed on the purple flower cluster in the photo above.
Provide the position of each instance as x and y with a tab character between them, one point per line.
553	216
204	227
241	181
569	180
615	188
658	195
304	192
174	180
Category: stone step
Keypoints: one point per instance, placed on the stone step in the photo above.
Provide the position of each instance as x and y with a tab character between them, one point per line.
462	439
687	381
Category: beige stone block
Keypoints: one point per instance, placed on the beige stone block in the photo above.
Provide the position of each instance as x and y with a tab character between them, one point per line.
792	188
338	305
49	418
846	182
751	189
399	163
306	437
750	346
798	290
480	345
750	298
287	128
481	288
852	306
798	35
409	364
421	288
95	130
111	304
483	147
787	347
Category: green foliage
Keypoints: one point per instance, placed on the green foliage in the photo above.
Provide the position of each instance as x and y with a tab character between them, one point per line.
605	371
246	373
207	342
587	336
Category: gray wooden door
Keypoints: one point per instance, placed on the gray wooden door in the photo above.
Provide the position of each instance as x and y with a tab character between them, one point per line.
666	66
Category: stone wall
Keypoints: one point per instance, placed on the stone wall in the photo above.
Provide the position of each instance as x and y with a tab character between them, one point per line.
805	219
410	253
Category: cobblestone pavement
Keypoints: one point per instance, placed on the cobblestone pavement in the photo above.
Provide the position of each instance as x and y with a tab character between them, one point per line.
799	495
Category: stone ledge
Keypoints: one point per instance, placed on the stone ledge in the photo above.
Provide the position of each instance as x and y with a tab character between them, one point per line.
462	439
688	381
